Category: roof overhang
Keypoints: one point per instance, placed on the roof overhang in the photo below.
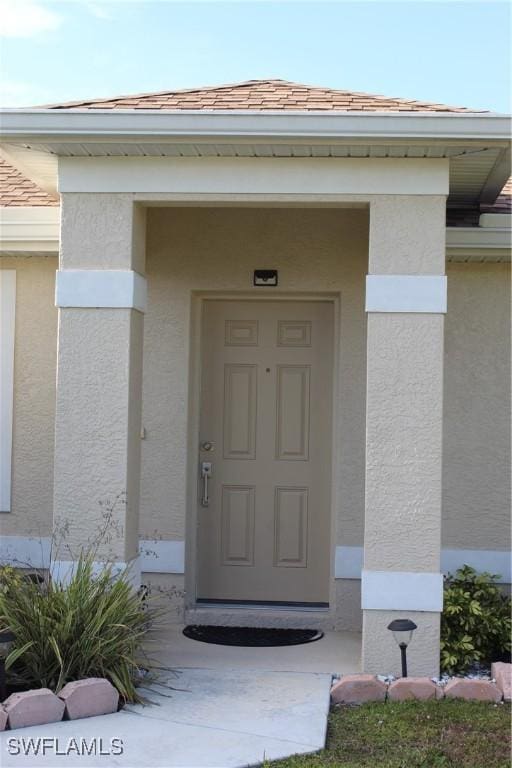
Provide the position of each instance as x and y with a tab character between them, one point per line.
29	230
477	144
480	244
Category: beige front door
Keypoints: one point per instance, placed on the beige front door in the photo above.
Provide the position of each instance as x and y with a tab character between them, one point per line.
266	430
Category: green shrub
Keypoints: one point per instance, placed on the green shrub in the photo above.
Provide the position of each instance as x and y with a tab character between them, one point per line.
476	622
93	626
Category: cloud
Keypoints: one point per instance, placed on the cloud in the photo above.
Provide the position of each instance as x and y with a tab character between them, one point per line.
26	18
99	11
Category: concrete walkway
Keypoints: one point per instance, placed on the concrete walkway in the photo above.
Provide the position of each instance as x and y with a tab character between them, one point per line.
201	717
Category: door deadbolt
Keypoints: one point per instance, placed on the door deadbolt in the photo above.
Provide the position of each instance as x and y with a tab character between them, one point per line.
207	446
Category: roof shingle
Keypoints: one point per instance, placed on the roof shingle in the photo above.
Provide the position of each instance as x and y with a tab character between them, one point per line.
16	189
262	95
255	95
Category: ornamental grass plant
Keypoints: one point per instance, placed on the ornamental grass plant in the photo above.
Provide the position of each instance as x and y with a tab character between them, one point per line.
93	625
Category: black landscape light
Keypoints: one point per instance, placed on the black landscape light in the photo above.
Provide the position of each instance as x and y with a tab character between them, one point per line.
402	630
6	638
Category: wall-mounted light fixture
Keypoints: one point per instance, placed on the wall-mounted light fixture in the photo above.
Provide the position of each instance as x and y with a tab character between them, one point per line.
265	277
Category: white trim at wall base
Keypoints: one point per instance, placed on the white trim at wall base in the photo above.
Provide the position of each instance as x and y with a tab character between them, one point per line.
406	293
7	329
25	551
349	562
492	561
162	556
101	288
401	591
155	555
62	570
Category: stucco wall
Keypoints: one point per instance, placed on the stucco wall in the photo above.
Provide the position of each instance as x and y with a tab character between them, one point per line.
326	250
314	250
476	476
34	397
218	249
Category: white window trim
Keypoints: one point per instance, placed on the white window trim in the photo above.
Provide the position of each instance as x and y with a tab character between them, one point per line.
7	326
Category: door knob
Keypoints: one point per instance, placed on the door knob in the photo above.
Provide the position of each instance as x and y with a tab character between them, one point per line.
206	446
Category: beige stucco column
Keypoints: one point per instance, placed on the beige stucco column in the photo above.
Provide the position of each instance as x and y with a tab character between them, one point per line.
100	292
406	301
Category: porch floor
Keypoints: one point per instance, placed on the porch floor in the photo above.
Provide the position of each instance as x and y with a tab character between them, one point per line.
336	653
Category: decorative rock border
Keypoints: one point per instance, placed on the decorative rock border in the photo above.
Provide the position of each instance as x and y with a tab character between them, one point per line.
82	698
88	698
472	690
357	689
33	708
413	688
502	673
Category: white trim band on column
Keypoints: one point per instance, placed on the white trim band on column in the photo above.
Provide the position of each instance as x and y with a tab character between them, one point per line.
7	320
406	293
401	591
101	288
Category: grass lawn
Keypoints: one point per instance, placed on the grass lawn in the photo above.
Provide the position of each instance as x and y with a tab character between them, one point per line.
447	734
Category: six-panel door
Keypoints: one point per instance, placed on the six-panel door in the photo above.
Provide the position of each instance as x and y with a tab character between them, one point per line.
266	410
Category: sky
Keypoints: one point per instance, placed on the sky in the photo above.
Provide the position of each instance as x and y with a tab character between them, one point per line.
455	52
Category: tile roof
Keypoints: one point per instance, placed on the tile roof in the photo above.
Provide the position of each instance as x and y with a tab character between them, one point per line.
16	189
258	95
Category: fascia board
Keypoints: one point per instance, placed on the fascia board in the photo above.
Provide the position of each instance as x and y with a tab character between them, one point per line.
17	125
30	228
478	237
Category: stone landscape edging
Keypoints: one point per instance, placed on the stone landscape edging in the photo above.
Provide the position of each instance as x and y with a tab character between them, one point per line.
502	673
89	697
95	696
361	688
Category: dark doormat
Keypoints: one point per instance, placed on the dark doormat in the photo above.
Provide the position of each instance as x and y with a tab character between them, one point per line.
250	637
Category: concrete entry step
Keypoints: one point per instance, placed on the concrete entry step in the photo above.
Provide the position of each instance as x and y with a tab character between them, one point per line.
201	718
337	653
